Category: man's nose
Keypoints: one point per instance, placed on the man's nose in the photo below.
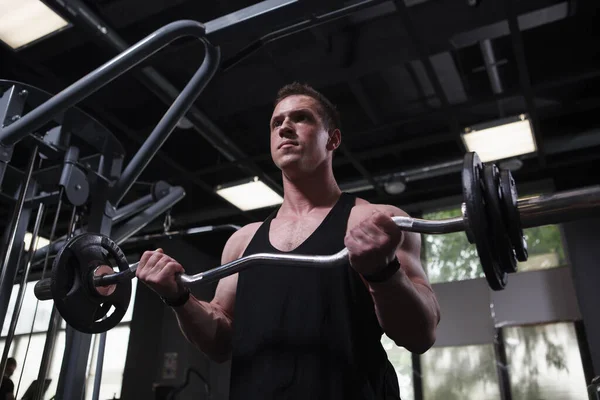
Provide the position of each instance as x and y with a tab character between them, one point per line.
286	129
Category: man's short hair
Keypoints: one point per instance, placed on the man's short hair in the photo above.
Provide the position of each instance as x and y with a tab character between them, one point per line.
11	361
328	112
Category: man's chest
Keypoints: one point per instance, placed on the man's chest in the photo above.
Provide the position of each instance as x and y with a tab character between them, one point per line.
288	233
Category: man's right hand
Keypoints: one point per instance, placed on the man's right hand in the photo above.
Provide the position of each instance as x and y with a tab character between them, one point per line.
158	271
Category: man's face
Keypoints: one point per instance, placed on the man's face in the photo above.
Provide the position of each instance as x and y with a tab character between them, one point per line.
299	140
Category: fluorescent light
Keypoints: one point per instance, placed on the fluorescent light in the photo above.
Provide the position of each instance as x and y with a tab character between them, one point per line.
25	21
41	241
249	195
501	139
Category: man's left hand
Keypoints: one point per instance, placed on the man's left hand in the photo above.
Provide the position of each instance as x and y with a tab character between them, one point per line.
372	244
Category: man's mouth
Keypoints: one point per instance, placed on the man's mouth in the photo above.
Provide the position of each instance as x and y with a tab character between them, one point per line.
287	143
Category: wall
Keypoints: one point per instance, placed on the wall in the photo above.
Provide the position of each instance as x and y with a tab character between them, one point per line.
583	238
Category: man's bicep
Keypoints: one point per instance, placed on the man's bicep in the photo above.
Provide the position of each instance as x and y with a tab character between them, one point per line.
225	294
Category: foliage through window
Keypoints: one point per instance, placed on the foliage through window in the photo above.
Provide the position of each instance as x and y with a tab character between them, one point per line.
401	359
451	257
27	349
544	362
460	372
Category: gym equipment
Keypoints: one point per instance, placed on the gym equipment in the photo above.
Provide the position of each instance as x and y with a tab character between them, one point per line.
489	219
83	165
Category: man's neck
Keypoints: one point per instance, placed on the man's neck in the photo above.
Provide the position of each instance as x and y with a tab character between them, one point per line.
301	196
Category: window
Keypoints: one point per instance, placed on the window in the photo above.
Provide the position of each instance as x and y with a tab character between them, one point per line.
27	349
460	372
401	359
544	362
451	257
545	248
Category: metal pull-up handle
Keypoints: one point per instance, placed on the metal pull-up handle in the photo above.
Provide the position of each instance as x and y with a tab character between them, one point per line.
106	73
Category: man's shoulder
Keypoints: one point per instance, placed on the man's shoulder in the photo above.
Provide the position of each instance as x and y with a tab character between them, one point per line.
237	243
363	209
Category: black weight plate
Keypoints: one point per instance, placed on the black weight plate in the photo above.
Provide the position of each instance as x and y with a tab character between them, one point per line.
508	192
476	218
501	242
72	289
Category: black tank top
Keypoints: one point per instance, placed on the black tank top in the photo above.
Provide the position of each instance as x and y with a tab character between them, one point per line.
306	333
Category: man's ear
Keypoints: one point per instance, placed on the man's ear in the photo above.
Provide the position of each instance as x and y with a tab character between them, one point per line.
335	139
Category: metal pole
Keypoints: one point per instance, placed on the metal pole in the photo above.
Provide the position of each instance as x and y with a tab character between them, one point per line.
55	318
100	77
99	366
168	122
135	206
6	280
560	207
137	223
182	232
21	295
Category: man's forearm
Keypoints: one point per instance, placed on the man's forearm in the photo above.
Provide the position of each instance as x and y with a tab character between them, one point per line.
206	326
408	312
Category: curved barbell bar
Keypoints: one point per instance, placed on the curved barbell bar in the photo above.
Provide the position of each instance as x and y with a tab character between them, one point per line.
534	211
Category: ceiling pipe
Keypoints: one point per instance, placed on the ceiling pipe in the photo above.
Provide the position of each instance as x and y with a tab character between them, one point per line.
491	66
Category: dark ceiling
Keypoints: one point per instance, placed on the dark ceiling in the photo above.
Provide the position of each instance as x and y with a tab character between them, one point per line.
408	77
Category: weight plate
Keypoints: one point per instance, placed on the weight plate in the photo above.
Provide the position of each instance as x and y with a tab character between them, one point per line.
509	201
501	242
72	289
476	221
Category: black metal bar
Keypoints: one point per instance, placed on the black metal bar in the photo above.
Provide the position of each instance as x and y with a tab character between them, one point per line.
84	17
502	365
53	326
423	53
100	77
21	294
181	232
246	14
15	233
166	125
181	170
584	351
99	366
138	222
417	376
293	29
524	79
132	208
71	383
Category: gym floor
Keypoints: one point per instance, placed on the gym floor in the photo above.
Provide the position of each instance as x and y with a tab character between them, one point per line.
411	79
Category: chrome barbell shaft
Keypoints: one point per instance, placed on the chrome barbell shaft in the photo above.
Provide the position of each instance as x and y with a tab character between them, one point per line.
535	211
405	223
548	209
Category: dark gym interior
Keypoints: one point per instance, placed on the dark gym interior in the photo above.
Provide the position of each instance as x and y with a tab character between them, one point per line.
411	79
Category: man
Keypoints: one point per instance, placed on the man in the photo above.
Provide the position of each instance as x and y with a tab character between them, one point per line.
7	387
309	333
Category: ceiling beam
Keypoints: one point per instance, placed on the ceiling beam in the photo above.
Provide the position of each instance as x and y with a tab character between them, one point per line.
524	79
424	56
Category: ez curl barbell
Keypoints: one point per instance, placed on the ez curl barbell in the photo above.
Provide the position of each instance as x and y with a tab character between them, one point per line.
85	286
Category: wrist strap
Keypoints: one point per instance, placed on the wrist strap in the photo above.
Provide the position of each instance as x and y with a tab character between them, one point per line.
385	273
181	300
